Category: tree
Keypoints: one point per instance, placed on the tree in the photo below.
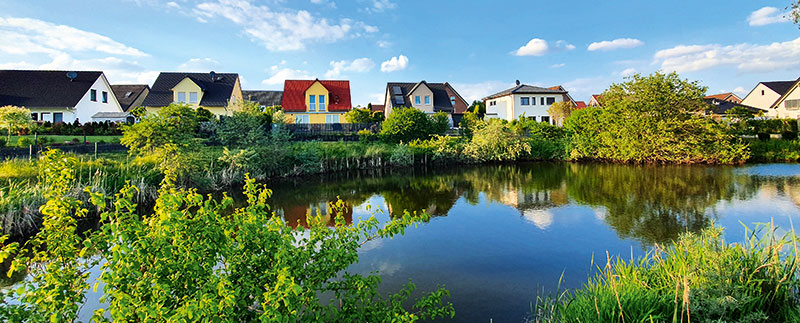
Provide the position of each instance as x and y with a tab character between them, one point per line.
175	125
478	107
560	111
405	125
203	115
468	123
440	123
795	13
358	115
244	129
739	114
13	118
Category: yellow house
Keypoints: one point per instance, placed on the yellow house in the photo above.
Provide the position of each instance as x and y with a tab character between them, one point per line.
315	101
219	93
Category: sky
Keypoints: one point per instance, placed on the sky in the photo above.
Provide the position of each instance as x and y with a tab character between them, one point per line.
480	47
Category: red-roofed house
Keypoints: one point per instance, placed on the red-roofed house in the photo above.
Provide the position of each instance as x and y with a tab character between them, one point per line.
595	101
730	97
580	105
316	101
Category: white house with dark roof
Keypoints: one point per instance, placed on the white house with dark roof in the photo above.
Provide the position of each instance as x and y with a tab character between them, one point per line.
523	101
766	94
788	105
59	96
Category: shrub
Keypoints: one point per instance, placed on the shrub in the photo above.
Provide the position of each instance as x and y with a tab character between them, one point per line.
496	141
2	142
24	142
402	156
469	121
367	136
172	125
406	125
14	118
244	129
788	135
763	136
440	123
42	141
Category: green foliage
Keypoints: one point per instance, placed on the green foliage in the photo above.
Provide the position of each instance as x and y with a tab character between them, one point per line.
366	135
468	123
652	119
739	114
363	115
14	118
203	115
496	141
560	111
440	123
24	142
775	150
406	125
3	142
478	107
244	129
139	112
772	126
699	278
174	125
278	117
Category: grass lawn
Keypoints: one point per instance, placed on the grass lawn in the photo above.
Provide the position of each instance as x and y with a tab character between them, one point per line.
62	139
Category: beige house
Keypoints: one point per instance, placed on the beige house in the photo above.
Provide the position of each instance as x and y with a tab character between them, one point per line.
219	93
766	94
788	105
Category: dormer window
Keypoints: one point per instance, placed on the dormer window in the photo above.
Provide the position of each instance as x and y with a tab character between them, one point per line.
416	99
321	103
181	97
312	103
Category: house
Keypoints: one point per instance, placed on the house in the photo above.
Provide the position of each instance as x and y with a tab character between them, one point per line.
718	108
316	101
730	97
580	105
58	96
424	96
788	105
595	100
130	96
378	108
266	99
219	93
765	95
523	100
567	97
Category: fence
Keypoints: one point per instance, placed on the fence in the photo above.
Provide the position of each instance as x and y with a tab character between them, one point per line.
6	153
329	131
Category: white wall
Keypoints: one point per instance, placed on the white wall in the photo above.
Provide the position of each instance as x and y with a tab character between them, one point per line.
782	112
86	108
510	108
756	99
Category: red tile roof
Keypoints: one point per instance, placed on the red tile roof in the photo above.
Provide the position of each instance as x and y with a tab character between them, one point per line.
378	108
294	95
580	105
725	97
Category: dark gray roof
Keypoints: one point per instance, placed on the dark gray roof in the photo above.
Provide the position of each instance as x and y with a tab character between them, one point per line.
779	87
44	88
128	93
525	89
441	101
216	93
722	106
265	98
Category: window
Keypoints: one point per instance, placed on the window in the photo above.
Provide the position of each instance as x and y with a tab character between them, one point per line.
301	118
93	95
416	99
322	105
525	101
546	119
58	117
105	97
493	103
452	100
427	99
542	100
46	117
532	118
182	97
792	104
312	103
332	118
551	101
762	92
35	116
192	97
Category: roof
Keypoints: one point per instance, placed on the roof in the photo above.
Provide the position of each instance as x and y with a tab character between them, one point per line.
719	106
378	108
779	87
786	93
128	93
110	115
723	96
525	89
265	98
580	105
441	99
294	95
216	93
44	88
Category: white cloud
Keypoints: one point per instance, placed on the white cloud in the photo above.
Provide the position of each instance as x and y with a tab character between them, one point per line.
744	57
25	36
384	44
478	91
539	47
740	91
278	30
767	16
200	65
279	75
581	89
380	6
173	4
359	65
558	65
628	72
397	63
328	3
620	43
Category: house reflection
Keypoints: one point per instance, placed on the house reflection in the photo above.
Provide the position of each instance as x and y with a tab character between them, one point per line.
534	206
297	215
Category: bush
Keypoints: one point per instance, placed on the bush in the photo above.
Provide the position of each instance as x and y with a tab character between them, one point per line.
24	142
440	123
788	135
775	150
244	129
42	141
406	125
496	141
2	142
763	136
366	135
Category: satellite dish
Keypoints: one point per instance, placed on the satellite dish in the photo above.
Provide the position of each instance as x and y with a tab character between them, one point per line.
517	82
72	76
213	76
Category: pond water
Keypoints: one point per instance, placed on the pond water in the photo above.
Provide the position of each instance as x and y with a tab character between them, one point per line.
503	234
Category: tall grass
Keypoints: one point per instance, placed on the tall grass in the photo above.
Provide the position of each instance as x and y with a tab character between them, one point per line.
698	278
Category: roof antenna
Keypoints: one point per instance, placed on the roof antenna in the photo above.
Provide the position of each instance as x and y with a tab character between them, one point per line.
72	76
517	82
213	76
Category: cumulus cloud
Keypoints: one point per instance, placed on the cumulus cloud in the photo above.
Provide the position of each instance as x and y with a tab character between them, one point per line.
628	72
328	3
767	16
384	44
278	30
380	6
620	43
539	47
359	65
280	74
397	63
744	57
25	36
200	65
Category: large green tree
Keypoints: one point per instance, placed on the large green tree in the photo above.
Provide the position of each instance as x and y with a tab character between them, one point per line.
13	118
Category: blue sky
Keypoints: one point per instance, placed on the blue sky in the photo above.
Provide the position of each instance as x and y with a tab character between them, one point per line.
479	46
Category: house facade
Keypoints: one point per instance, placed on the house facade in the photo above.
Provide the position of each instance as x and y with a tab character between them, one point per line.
766	94
594	101
424	96
729	97
130	96
523	101
219	93
59	96
316	101
788	105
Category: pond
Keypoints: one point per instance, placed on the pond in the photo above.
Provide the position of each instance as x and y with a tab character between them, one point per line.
503	234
